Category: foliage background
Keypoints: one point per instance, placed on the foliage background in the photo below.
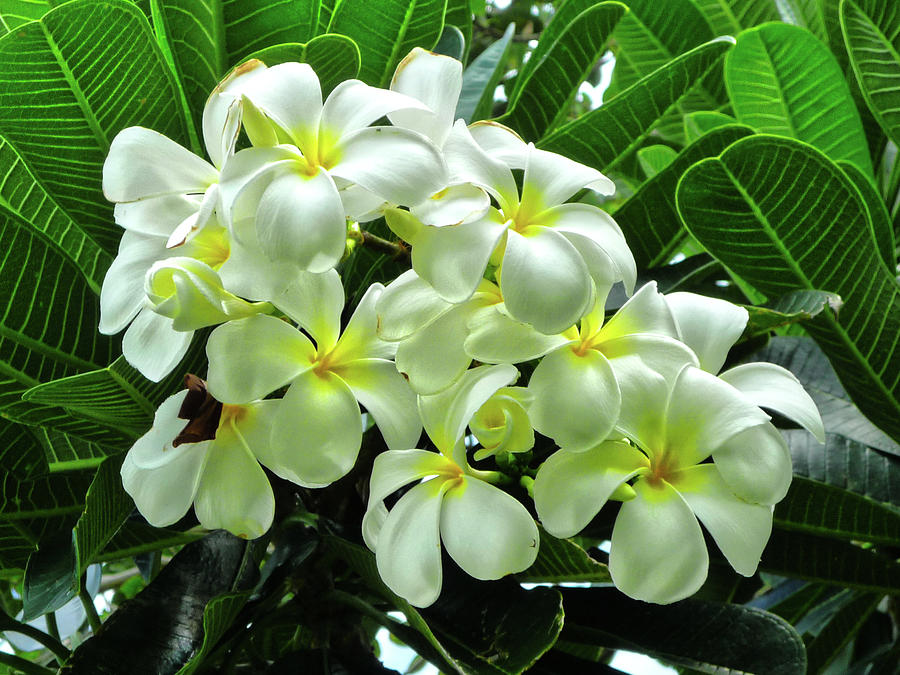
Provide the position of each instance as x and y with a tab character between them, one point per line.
759	168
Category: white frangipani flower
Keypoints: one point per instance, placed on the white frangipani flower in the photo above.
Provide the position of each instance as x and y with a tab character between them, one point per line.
552	255
502	424
317	431
306	150
202	452
486	531
658	553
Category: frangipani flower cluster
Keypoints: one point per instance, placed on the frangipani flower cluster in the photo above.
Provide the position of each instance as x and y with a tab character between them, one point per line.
251	243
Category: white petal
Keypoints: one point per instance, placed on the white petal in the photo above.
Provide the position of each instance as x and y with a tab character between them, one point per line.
406	305
433	358
453	258
353	105
740	529
289	94
143	163
219	113
576	398
315	302
361	205
435	80
773	387
500	142
301	219
486	531
122	293
249	272
453	205
158	216
247	175
661	354
396	164
161	479
445	415
708	326
468	163
359	339
395	468
645	424
645	312
570	488
319	415
250	358
495	337
544	280
756	464
703	414
152	346
550	179
234	493
388	398
657	552
408	554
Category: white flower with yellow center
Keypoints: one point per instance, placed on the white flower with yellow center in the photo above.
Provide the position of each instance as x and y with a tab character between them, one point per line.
317	431
486	531
305	150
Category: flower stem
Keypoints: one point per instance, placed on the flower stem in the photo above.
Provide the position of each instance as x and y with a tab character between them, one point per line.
51	643
17	663
395	249
52	627
88	602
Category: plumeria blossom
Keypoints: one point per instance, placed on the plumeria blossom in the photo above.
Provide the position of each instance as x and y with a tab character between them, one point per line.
486	531
502	424
577	386
658	553
198	451
306	150
552	255
317	430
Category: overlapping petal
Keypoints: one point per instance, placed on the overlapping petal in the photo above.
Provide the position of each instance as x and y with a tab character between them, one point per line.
708	326
550	179
315	302
354	105
756	464
486	531
359	339
122	293
153	346
408	304
495	337
435	80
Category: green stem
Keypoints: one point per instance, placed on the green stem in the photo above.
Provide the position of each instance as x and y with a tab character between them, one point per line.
52	644
527	482
20	664
88	602
155	564
52	628
376	243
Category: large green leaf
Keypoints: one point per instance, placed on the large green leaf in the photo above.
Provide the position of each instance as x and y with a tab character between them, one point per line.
847	465
649	218
563	561
21	455
603	137
68	84
783	217
14	13
871	30
805	556
566	54
829	511
782	80
135	538
459	15
840	629
203	39
746	639
387	31
880	219
805	359
480	79
730	17
218	615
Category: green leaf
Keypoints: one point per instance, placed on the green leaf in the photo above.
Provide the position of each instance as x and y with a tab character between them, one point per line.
648	39
871	31
882	227
730	17
14	13
335	58
106	506
794	307
452	43
480	79
136	538
732	206
69	83
48	576
809	14
362	561
601	138
847	465
840	629
387	35
566	54
655	158
701	122
459	15
746	639
20	452
782	80
829	511
562	560
805	556
64	452
218	615
805	359
649	218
